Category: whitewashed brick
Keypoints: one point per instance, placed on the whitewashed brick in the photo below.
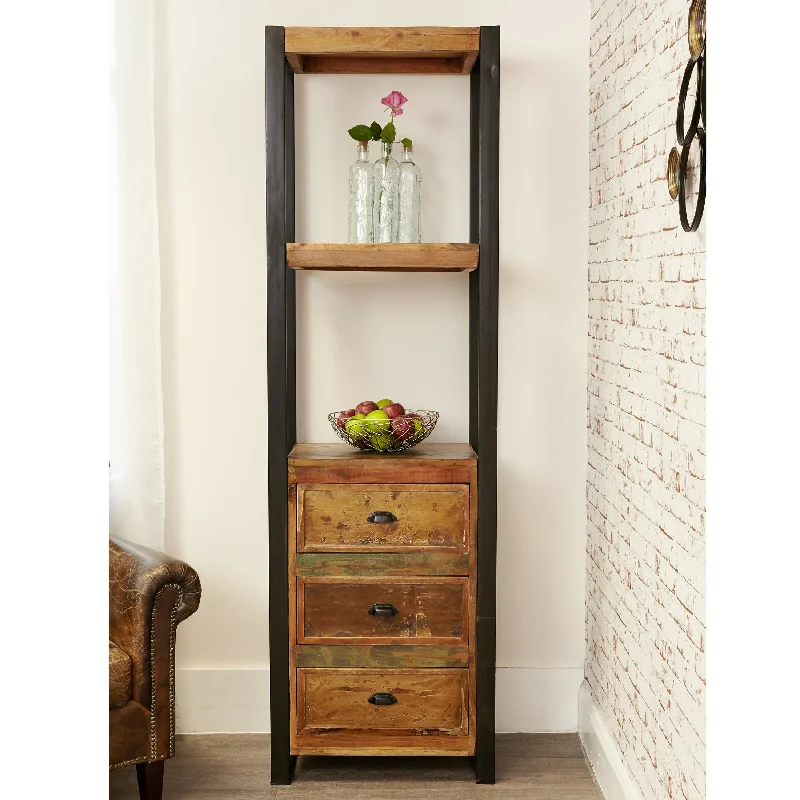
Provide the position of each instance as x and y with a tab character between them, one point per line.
645	495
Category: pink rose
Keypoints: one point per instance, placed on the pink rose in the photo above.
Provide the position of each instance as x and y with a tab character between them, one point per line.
394	100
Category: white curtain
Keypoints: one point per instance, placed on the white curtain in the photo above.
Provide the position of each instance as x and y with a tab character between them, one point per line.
136	415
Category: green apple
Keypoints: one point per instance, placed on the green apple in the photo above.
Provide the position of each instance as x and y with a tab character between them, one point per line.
381	441
384	402
377	422
355	427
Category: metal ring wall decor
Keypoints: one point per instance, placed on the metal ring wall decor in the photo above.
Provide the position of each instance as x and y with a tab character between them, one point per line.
695	67
678	161
700	134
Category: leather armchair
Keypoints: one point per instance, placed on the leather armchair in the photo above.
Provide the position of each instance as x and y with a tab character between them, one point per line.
149	594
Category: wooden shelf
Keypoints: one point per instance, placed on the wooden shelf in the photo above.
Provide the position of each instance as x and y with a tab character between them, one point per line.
338	257
421	50
310	454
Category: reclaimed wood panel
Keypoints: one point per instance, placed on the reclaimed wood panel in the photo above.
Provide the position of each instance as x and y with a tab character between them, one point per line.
381	743
335	518
400	50
433	610
310	453
428	701
382	656
386	564
341	463
429	257
386	65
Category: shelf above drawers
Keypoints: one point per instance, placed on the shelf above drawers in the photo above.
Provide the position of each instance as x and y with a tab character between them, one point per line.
341	463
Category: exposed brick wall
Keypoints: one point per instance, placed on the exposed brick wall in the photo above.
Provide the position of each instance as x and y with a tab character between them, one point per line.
645	492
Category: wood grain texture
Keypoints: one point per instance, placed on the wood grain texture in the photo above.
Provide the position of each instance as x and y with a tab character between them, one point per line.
386	564
382	50
382	656
309	454
428	701
434	257
432	610
386	65
428	468
335	518
341	463
382	743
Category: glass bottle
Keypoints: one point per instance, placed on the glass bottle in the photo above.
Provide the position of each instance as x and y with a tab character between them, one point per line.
386	173
409	202
359	212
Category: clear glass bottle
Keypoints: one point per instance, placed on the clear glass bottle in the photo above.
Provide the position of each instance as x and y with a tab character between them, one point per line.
409	201
386	173
359	211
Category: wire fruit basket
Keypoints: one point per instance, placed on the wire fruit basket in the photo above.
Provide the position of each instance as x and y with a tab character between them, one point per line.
385	435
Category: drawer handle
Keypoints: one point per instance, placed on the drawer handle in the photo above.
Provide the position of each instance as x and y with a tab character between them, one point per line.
382	517
382	610
382	699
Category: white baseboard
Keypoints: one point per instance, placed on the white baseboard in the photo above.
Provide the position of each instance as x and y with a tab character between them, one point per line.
612	775
237	700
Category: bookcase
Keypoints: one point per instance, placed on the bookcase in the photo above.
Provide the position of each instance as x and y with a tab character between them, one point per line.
382	610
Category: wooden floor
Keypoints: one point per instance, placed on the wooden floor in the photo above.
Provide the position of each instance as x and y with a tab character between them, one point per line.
236	767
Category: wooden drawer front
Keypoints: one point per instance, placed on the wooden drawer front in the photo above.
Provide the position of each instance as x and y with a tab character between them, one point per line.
429	516
428	700
432	610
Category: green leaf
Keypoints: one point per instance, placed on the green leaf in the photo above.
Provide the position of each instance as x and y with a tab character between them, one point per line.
406	142
388	133
375	129
361	133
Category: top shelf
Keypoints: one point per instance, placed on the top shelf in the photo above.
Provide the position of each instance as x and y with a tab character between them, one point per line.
382	51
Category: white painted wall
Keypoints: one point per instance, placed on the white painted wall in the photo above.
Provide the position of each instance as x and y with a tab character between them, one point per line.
362	336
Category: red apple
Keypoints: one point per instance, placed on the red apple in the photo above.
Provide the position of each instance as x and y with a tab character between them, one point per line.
366	407
402	428
394	410
341	420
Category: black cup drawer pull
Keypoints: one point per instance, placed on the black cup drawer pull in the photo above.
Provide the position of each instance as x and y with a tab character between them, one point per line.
382	517
382	699
382	610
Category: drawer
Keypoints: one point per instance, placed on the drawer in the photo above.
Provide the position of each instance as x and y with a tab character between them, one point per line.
411	701
342	517
382	610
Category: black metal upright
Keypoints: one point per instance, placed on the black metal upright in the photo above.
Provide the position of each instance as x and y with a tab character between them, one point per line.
280	380
483	318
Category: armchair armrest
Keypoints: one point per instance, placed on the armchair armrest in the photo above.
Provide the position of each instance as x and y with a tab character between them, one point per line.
149	594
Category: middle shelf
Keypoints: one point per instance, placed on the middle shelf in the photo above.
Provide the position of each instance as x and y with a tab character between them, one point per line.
342	256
